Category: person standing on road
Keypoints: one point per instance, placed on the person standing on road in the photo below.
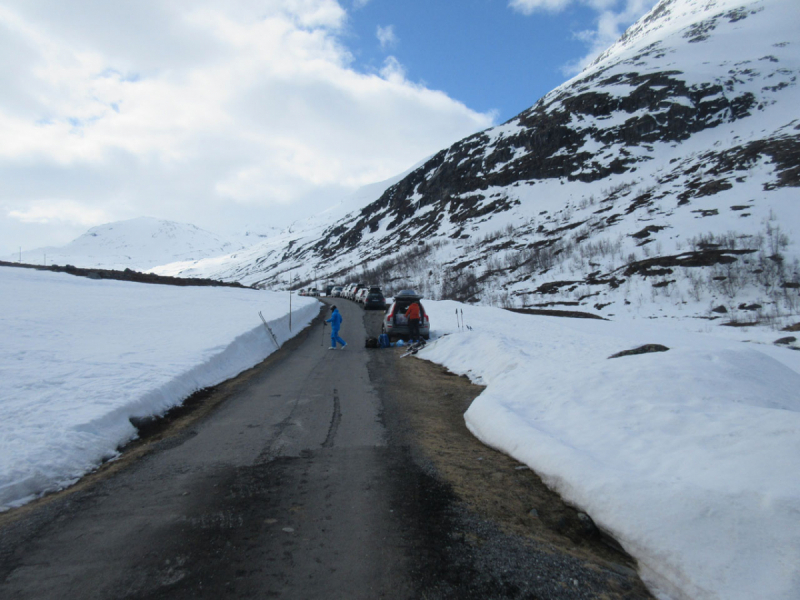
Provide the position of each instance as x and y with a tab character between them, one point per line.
413	315
336	323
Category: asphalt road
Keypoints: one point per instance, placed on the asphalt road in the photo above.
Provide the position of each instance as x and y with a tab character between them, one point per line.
318	474
285	491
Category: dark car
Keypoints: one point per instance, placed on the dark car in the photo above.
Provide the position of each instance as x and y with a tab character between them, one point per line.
374	299
395	324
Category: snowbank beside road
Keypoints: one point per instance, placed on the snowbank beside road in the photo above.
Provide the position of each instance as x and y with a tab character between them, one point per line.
79	357
688	457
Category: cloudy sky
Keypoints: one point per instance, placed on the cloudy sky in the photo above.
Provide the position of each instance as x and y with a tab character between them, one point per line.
231	114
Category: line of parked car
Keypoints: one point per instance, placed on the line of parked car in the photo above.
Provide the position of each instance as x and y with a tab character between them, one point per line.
369	296
394	322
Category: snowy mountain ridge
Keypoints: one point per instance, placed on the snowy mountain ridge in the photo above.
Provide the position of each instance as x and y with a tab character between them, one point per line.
665	173
139	244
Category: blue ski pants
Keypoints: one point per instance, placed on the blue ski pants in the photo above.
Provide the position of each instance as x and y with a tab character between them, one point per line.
335	338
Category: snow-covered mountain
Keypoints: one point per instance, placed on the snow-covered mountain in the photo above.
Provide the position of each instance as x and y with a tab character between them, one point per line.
239	266
137	244
667	172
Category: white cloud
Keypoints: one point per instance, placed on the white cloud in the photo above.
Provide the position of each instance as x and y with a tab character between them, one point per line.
208	112
610	25
386	36
393	71
612	20
528	7
68	211
360	3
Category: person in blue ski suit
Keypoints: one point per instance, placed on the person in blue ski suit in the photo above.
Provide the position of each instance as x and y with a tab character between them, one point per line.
336	323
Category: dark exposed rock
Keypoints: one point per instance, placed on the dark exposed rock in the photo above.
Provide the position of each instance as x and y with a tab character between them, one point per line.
575	314
699	258
720	310
786	340
647	231
740	324
638	202
553	287
647	348
707	212
749	306
589	528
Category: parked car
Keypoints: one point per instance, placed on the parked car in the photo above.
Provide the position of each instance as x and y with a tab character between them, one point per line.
360	295
351	295
336	292
395	324
374	299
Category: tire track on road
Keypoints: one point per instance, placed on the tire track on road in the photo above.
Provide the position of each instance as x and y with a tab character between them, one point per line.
335	420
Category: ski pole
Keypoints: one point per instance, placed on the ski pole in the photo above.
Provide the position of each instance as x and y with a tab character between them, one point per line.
462	318
457	323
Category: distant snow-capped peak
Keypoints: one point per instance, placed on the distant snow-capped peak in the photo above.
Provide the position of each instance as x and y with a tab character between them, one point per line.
139	244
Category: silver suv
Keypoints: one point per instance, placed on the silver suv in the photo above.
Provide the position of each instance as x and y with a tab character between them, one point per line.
395	324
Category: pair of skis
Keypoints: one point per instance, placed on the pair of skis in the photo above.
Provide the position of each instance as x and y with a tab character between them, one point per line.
461	325
414	348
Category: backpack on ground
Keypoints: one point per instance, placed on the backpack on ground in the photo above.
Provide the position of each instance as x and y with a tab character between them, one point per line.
371	342
383	341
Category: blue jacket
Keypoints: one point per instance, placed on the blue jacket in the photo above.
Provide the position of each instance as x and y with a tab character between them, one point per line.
335	320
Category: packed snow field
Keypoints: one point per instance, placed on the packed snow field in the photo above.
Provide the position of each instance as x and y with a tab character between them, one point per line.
79	357
688	457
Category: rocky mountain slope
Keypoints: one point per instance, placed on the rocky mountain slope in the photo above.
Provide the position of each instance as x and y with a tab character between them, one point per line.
665	174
